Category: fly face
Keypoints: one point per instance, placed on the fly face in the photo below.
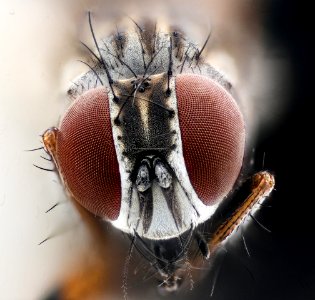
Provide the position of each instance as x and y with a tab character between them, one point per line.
159	200
154	145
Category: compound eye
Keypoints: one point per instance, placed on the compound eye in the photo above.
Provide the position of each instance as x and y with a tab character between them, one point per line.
85	154
213	136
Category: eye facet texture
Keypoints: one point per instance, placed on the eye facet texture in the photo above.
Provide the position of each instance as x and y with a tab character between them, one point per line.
86	155
213	136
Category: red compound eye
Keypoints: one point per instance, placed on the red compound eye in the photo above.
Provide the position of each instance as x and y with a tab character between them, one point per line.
86	155
213	136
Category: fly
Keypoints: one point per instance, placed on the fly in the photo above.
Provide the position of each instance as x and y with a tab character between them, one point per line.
155	147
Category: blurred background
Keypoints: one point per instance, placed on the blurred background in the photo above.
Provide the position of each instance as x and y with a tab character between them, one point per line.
263	47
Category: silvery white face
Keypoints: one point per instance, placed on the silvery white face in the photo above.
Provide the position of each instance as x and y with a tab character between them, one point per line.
154	138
